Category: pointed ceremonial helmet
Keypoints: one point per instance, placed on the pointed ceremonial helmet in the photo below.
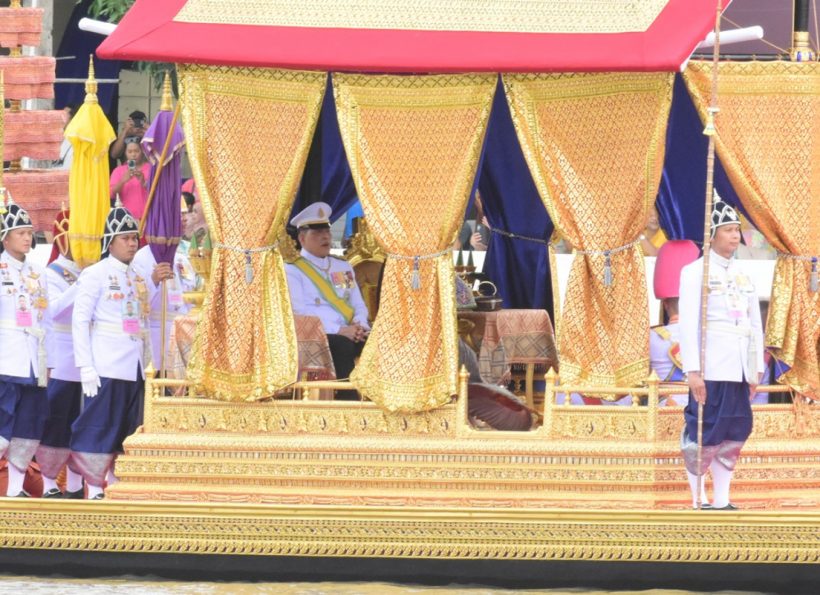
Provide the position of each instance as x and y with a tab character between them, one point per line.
119	222
672	257
12	215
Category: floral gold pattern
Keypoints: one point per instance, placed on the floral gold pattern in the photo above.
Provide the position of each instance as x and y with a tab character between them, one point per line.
773	165
595	146
413	143
245	347
524	16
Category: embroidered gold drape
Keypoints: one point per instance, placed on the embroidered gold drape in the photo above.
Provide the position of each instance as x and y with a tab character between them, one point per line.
594	144
413	144
769	143
248	132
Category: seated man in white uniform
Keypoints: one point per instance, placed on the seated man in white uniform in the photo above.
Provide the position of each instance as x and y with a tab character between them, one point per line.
664	346
324	286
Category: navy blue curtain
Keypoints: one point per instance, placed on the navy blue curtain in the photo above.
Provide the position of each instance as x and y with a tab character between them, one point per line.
683	182
80	44
519	268
337	188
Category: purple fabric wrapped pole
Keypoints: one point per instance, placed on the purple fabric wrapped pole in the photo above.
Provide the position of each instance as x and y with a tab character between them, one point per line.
163	226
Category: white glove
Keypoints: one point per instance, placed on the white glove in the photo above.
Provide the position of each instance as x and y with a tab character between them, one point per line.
90	380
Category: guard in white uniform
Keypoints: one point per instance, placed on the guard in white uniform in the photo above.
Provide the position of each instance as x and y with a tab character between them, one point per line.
734	357
65	391
23	374
664	340
325	286
185	279
109	328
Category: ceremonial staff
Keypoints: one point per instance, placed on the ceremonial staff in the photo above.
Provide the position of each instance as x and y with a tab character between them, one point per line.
709	131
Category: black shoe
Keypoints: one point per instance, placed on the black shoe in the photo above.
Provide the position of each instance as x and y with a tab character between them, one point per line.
99	496
706	506
23	494
53	493
78	495
729	506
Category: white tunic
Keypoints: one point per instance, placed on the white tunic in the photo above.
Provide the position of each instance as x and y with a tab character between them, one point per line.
307	301
23	309
185	279
62	289
109	322
659	359
734	334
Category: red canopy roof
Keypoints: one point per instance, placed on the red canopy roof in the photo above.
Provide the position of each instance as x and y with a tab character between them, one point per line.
436	36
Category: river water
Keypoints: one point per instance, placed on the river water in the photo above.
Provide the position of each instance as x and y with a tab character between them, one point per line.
28	585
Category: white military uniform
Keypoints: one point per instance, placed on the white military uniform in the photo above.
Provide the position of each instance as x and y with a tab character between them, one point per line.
62	290
306	299
734	334
108	332
185	279
23	303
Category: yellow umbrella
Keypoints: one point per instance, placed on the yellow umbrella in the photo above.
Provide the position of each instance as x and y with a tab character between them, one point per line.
90	133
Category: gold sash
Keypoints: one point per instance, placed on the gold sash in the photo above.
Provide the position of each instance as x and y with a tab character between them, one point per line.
325	289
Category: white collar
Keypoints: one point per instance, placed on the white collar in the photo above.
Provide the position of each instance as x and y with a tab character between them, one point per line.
70	265
17	265
323	263
719	260
118	265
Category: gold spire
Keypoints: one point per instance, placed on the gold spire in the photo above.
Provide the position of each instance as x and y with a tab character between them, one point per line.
91	82
167	104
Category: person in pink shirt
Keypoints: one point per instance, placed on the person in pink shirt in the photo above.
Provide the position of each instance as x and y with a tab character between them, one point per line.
130	180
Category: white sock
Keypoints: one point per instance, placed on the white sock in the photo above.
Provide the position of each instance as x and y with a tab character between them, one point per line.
693	486
73	481
93	491
49	484
16	478
110	478
721	480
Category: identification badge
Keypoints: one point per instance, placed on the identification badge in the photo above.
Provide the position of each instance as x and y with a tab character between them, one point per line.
735	304
22	311
130	317
715	286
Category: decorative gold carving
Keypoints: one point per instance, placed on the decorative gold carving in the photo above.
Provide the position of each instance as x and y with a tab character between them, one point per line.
329	530
364	247
513	16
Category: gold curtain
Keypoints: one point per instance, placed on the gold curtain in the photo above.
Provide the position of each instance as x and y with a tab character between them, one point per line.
769	143
413	144
248	132
594	144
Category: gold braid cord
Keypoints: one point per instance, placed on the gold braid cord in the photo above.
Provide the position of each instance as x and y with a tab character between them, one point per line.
768	141
248	134
413	143
594	144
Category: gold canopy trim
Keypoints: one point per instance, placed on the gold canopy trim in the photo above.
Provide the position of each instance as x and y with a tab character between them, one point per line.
768	140
594	144
413	144
508	16
249	132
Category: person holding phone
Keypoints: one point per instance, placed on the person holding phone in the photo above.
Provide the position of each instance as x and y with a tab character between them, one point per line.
130	180
135	127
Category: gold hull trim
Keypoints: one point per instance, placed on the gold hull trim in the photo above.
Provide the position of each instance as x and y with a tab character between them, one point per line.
431	533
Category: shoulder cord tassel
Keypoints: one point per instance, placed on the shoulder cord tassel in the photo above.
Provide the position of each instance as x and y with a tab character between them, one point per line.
248	252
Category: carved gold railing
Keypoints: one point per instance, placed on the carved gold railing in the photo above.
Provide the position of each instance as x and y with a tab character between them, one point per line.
637	423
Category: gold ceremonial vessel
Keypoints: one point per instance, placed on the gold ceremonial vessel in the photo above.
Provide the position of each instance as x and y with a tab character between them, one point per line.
249	458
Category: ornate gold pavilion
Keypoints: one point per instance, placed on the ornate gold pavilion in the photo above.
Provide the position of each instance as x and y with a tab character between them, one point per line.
395	477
